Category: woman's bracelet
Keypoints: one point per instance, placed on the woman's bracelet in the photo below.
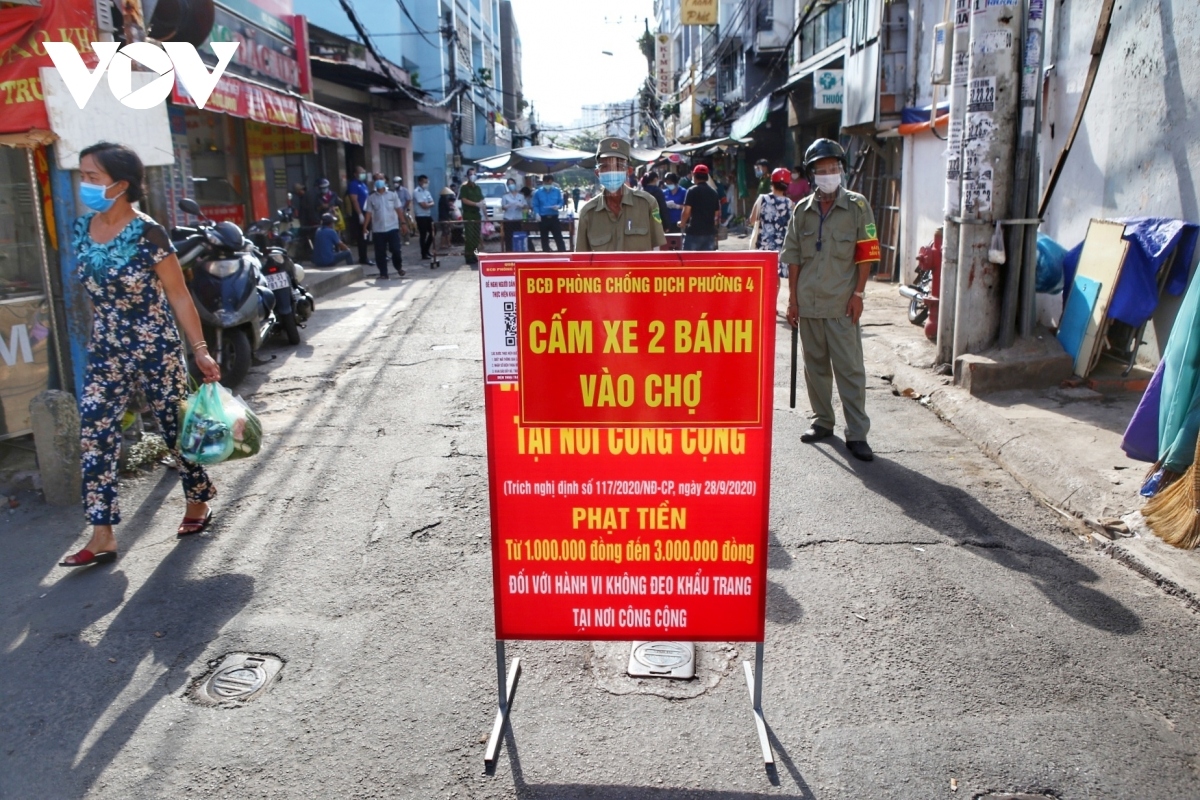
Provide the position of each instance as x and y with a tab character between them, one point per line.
199	345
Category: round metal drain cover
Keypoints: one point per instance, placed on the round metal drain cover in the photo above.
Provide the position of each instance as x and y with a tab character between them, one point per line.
236	679
232	683
662	655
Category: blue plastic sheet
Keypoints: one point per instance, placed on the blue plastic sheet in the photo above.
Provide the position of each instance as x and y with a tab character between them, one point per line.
1151	241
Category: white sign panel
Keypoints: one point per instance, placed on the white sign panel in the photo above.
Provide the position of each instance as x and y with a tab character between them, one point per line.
827	88
662	64
106	119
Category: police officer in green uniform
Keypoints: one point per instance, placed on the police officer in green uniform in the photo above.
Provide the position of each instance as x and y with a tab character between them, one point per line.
829	247
622	218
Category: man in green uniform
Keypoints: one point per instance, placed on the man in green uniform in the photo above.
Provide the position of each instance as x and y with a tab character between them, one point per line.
829	247
472	212
621	218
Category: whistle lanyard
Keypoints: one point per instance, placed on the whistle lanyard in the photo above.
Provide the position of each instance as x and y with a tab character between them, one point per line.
821	224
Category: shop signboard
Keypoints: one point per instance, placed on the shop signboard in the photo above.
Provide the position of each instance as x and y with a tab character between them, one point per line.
828	88
663	64
698	12
628	400
23	32
263	53
24	359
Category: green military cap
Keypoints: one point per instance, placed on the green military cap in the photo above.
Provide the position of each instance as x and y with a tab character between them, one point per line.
613	146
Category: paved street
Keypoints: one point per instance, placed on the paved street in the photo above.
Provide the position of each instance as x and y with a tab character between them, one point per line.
928	621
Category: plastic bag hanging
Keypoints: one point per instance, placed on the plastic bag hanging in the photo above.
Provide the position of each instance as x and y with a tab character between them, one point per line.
996	248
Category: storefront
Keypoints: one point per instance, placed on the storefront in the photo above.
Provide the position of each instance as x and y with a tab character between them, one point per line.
32	327
251	143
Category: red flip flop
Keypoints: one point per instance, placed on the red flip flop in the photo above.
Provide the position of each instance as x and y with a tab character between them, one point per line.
197	524
85	557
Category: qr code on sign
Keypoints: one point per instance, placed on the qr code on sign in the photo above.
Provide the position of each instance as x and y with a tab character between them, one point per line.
510	323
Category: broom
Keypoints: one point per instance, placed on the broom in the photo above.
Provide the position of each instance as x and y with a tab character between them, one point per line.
1174	513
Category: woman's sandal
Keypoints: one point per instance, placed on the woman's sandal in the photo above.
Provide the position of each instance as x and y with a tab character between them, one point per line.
193	525
85	557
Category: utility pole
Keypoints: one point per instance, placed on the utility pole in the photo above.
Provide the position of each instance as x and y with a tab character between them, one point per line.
451	34
959	67
989	135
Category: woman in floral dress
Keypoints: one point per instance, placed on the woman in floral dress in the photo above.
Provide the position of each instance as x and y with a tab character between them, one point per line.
128	266
771	213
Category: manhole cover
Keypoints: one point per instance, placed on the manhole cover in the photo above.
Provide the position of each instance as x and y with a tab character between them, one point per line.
237	678
662	660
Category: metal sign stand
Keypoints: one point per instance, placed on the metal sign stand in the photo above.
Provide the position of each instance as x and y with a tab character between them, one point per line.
754	684
506	684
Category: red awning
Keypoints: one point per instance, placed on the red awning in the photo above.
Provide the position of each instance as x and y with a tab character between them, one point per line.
246	99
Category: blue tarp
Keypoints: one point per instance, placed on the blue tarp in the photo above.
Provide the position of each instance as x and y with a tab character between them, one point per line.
913	114
1151	241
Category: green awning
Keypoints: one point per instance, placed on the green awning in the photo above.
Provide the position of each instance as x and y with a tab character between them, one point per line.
747	122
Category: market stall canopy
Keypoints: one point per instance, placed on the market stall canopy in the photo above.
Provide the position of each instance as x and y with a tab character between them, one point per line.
756	116
538	159
726	141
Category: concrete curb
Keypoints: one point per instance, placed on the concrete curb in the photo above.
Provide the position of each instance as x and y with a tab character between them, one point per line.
1040	470
322	281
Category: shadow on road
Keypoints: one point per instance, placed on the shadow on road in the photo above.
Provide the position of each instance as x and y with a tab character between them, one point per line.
62	724
957	515
592	791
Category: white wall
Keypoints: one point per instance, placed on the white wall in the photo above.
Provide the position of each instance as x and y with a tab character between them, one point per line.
1138	148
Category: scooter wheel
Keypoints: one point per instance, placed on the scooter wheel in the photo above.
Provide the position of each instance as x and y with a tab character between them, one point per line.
291	329
917	311
235	357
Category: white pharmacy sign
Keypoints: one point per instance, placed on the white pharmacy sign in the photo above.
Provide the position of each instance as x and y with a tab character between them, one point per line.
827	88
172	60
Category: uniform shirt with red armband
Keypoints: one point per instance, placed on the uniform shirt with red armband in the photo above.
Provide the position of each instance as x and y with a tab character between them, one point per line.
829	251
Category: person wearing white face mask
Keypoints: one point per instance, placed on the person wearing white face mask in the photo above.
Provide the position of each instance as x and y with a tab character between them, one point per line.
513	205
621	218
829	248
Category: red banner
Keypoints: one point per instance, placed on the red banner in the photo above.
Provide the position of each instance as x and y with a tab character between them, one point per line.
22	31
629	518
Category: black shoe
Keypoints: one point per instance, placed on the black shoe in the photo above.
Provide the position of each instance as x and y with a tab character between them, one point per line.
860	450
815	434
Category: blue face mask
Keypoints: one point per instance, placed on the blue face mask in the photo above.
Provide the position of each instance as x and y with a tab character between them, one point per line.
92	195
612	181
380	184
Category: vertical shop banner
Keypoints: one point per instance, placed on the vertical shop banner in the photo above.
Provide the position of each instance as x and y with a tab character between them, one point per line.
628	400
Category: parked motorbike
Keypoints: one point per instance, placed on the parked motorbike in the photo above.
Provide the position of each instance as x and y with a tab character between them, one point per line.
231	295
294	304
920	290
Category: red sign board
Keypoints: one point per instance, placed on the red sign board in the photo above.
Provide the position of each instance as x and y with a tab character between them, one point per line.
642	515
23	32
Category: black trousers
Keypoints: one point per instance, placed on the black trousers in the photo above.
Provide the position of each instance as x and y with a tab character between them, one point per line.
359	235
387	240
547	226
425	230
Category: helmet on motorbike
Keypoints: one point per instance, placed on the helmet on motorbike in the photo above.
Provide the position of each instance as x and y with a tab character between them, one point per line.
823	148
228	234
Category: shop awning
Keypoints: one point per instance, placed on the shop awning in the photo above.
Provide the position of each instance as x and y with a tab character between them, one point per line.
538	159
246	99
702	146
747	122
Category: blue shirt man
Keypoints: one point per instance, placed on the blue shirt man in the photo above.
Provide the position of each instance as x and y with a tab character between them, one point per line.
328	250
547	202
674	194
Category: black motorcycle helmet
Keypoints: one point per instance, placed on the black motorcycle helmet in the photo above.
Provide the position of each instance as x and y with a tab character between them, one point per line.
227	234
822	148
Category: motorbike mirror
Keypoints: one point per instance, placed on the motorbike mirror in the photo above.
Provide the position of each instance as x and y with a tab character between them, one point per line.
190	206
